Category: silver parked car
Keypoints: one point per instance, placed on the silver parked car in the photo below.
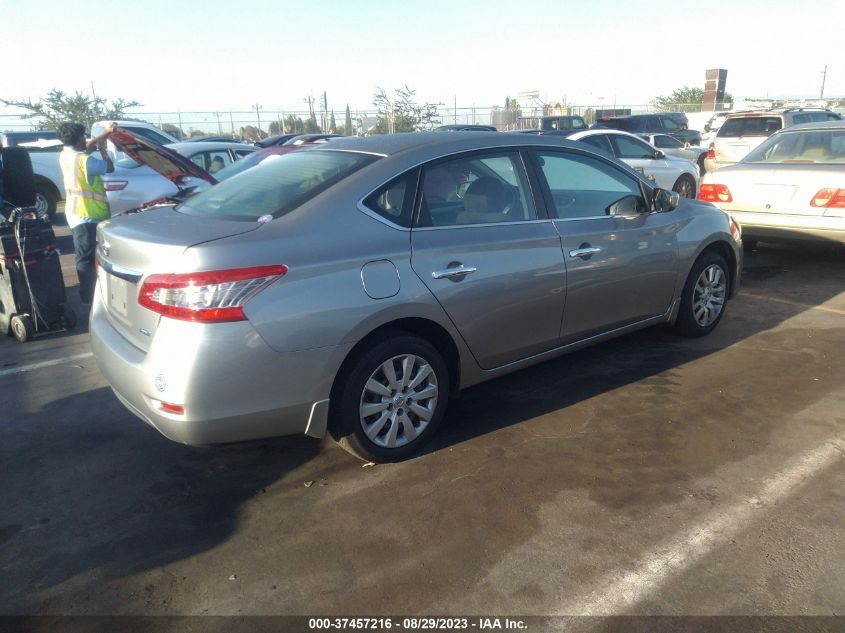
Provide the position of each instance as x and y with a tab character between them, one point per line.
353	288
668	172
792	186
671	146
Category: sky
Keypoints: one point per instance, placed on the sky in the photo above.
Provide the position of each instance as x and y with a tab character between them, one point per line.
211	55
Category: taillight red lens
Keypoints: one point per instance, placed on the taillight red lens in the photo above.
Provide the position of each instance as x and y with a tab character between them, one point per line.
209	297
115	185
171	408
711	151
830	198
715	193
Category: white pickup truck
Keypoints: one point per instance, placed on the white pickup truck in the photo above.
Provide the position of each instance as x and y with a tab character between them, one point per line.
49	185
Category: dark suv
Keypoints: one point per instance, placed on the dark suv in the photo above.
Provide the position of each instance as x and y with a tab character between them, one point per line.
672	123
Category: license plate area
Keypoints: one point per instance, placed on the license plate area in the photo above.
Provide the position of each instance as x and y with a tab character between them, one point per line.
116	292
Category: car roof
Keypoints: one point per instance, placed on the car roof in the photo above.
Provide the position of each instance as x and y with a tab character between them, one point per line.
600	130
439	143
200	146
817	125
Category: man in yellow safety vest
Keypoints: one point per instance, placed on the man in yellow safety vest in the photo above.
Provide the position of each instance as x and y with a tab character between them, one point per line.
85	197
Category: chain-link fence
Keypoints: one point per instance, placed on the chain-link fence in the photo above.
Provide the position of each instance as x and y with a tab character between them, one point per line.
251	124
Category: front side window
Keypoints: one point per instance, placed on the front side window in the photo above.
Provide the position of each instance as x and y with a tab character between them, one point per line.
670	124
627	147
584	187
478	189
276	187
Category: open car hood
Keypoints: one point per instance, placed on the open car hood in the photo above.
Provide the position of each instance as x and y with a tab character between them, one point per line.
166	162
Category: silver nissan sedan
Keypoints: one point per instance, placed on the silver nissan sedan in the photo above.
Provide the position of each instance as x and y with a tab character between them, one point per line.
354	288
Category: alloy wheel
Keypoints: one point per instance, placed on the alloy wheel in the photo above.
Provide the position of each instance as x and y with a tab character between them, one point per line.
398	401
709	295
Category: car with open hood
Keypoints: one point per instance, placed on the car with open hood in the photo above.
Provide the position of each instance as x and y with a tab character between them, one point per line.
352	288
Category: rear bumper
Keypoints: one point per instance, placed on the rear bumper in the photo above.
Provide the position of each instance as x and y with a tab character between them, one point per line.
783	226
232	385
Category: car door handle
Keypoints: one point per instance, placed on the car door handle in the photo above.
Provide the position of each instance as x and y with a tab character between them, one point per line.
584	252
458	271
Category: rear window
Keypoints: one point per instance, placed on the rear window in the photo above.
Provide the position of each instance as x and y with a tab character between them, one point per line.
276	187
751	126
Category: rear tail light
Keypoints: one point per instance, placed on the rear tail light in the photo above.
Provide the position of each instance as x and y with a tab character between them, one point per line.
830	198
177	409
209	297
115	185
711	151
715	193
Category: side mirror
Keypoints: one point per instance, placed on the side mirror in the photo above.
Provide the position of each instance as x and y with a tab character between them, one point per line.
687	145
658	154
664	200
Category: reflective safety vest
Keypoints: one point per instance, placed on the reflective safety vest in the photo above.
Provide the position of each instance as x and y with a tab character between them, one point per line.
83	199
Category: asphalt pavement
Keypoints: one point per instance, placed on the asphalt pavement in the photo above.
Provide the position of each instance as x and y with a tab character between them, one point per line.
648	475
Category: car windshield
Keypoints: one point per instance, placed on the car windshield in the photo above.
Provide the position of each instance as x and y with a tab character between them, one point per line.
803	146
276	187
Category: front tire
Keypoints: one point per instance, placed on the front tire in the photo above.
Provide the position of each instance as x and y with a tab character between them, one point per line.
390	399
685	186
705	296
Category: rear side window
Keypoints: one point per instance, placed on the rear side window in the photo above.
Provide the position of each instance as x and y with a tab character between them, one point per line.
395	200
663	141
276	187
751	126
478	189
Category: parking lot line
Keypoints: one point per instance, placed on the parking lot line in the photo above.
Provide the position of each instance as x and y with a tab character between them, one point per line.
621	590
793	303
47	363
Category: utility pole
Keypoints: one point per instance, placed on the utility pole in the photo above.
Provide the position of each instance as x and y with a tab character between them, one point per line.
824	77
232	122
258	118
219	127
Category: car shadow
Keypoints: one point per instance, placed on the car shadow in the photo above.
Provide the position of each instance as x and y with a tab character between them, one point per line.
90	488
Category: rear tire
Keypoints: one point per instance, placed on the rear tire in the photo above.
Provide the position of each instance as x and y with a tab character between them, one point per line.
685	186
390	399
22	327
705	296
46	202
701	168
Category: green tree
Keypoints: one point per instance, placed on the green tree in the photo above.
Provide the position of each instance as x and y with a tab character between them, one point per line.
294	125
173	130
251	133
403	113
311	125
275	127
332	124
686	99
59	106
347	125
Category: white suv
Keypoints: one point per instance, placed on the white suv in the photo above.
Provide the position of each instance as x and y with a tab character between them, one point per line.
744	131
